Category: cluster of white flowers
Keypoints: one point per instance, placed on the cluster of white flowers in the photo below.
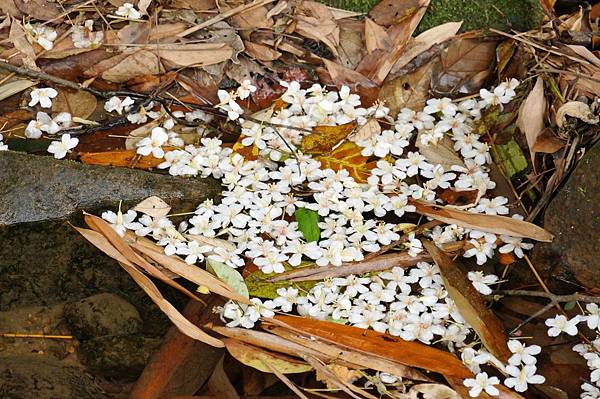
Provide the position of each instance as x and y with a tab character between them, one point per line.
85	37
262	195
590	352
128	11
41	34
520	371
45	123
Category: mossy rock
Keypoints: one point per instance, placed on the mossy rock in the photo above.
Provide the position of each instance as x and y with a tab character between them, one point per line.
505	15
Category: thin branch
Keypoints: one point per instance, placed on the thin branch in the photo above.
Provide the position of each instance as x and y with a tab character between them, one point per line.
554	298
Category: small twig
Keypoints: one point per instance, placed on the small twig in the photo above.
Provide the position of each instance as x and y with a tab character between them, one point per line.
25	335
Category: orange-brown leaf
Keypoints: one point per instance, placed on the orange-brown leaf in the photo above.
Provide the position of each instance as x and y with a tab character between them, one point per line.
324	138
347	156
381	345
123	158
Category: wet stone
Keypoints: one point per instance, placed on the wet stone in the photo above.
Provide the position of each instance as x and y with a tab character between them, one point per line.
573	216
102	315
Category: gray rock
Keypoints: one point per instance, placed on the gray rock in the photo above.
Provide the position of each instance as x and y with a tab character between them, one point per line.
43	261
122	358
573	217
102	315
32	377
36	188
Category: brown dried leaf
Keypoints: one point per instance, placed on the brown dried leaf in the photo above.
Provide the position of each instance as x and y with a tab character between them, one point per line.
119	243
376	38
79	103
366	131
390	12
197	54
13	87
464	66
407	91
531	113
153	206
261	52
348	156
139	63
442	153
470	303
315	21
547	142
39	9
425	41
377	65
18	38
490	223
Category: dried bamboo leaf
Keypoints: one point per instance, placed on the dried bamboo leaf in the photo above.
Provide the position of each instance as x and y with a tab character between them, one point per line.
470	303
490	223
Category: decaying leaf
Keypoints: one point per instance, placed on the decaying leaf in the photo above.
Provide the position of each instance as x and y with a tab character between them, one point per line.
381	345
259	358
39	9
315	21
324	138
425	41
196	54
139	63
376	38
532	112
80	104
154	207
347	156
442	153
367	131
470	303
407	91
464	66
377	65
390	12
18	38
491	223
575	109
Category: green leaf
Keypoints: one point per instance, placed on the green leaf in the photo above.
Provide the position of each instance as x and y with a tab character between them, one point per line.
570	305
308	224
228	275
